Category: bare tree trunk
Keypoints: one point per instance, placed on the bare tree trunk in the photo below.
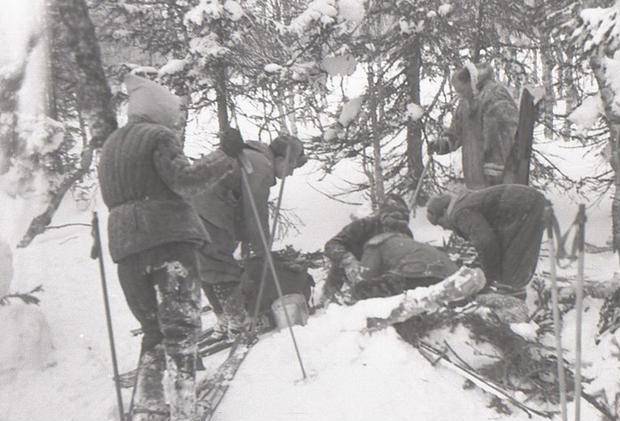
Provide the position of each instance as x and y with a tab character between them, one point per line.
221	97
414	131
547	80
373	90
94	98
570	89
478	43
597	63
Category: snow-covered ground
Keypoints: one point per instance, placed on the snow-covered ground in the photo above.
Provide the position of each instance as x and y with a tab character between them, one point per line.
352	376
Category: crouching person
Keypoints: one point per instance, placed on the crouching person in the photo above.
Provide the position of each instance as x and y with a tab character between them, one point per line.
505	224
346	248
393	262
377	256
153	236
226	212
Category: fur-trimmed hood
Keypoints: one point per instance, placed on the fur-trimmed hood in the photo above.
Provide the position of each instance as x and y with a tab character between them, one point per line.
479	75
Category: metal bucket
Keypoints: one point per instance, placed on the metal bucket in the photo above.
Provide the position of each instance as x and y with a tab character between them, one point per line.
296	307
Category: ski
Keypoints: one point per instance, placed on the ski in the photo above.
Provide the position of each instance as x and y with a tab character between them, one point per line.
211	391
517	167
436	356
128	379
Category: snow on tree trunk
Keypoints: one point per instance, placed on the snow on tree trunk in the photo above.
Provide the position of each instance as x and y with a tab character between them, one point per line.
94	99
373	89
414	130
609	95
6	267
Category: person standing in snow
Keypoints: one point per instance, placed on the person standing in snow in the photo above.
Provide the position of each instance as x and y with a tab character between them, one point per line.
505	223
483	126
227	215
346	248
146	182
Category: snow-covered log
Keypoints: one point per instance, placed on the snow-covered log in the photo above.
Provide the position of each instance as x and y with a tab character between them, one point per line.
459	286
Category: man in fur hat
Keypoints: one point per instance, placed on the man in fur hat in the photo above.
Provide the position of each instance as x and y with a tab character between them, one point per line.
504	223
227	215
484	126
154	233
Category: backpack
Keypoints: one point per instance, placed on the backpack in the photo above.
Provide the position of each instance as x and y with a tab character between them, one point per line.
293	276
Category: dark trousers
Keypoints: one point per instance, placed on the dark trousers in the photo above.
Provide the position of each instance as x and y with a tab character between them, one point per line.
162	289
221	275
521	248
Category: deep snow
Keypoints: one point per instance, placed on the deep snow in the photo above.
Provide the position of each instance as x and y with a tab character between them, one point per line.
353	376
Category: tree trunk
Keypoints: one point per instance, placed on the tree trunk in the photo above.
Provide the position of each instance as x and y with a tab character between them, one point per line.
547	80
570	90
94	98
221	97
414	131
598	65
478	40
373	90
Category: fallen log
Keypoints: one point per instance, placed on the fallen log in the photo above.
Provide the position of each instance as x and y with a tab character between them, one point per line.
465	283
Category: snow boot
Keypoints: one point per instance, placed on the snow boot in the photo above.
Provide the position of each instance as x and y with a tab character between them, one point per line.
181	387
149	403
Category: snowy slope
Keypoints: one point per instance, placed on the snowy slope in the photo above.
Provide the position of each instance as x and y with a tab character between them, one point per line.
352	376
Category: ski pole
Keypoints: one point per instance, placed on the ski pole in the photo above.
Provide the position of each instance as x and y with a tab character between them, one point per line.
556	311
246	184
104	286
276	216
580	240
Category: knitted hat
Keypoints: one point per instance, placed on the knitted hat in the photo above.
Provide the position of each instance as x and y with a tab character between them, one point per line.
152	102
438	204
393	202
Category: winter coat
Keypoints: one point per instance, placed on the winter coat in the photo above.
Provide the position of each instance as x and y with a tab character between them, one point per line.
485	129
353	237
505	225
400	255
145	177
226	204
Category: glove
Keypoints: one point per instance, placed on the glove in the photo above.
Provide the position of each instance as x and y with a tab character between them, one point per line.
352	269
231	142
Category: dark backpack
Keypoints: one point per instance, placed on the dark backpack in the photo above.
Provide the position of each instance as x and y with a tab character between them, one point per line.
293	277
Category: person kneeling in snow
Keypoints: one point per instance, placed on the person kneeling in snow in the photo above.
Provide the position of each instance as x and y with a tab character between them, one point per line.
226	213
505	224
146	182
403	263
382	246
